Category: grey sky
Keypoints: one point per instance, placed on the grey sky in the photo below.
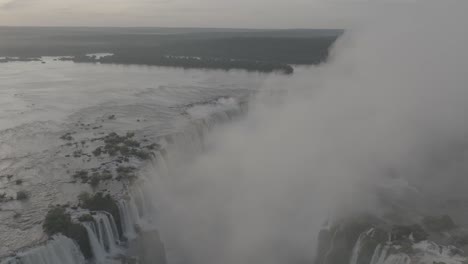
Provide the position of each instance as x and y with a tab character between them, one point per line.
187	13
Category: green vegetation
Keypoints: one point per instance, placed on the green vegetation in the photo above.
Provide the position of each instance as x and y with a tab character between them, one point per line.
84	196
94	182
77	153
4	198
97	177
285	46
59	221
97	152
190	62
67	136
126	173
56	221
125	146
286	50
22	195
252	50
86	218
153	146
101	202
122	149
81	174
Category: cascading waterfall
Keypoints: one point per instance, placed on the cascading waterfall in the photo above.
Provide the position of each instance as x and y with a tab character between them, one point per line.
332	244
357	249
143	206
187	144
98	249
381	254
138	211
376	255
107	230
130	218
103	236
60	250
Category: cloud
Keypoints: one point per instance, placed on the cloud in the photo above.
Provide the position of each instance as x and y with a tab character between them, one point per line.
202	13
14	4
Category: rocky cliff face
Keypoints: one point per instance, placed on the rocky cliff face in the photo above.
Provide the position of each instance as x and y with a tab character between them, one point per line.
368	240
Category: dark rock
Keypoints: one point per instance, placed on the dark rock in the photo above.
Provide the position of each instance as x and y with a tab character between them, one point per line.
460	239
324	241
402	232
438	223
339	242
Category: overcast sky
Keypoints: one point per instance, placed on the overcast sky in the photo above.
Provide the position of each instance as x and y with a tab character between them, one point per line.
188	13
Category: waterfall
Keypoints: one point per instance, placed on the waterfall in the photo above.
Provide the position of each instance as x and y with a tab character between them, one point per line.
103	236
129	217
185	145
98	250
60	250
332	245
105	233
357	248
380	255
141	202
376	255
145	203
143	207
161	165
139	211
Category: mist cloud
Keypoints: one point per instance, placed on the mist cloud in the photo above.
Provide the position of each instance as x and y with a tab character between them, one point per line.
386	115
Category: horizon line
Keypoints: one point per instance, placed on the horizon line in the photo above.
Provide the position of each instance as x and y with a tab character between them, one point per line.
165	27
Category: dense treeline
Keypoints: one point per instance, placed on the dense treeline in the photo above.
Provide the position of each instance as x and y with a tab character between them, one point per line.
188	62
253	50
286	46
281	50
